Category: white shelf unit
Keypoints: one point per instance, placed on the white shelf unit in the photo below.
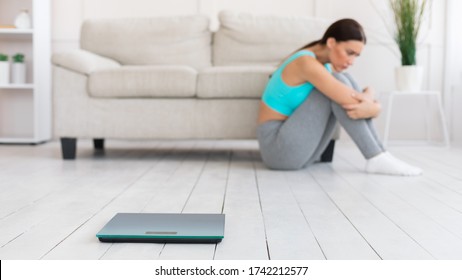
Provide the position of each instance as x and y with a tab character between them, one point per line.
25	109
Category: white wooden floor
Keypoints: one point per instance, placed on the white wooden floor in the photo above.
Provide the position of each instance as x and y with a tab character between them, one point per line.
52	209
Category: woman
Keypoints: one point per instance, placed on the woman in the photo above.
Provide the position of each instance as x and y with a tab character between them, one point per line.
308	94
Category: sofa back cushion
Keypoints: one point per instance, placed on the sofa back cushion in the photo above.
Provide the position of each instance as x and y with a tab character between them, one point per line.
180	40
246	39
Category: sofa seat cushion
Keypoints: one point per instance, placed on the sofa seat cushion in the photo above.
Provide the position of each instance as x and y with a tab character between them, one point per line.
143	81
233	81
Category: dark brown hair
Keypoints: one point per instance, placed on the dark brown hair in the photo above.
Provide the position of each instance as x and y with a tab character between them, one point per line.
342	30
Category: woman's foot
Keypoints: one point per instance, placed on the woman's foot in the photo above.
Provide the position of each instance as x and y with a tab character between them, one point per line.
385	163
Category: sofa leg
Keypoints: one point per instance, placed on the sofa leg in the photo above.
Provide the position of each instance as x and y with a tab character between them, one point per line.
68	147
98	143
328	153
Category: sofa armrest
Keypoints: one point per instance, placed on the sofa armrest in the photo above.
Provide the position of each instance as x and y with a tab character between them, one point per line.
83	62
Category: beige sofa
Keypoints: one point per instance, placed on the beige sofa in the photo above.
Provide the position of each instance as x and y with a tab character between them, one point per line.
171	77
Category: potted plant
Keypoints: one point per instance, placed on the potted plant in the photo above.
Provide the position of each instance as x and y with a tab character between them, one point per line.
4	69
408	17
18	69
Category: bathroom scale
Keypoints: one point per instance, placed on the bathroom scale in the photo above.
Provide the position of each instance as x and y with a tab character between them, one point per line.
164	228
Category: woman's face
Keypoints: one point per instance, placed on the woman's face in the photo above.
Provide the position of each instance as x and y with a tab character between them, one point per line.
343	54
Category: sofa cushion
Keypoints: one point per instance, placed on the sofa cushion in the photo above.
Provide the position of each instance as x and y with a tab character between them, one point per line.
262	39
179	40
233	81
143	81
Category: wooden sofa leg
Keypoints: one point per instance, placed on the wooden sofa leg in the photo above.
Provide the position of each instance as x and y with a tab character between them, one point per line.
68	147
328	153
98	144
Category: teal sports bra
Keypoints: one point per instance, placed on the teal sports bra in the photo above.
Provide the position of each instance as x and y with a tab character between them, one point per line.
283	98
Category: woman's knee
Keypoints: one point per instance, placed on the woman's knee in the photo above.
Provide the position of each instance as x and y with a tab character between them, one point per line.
343	78
318	98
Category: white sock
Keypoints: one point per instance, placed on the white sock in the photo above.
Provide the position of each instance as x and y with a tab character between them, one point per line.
385	163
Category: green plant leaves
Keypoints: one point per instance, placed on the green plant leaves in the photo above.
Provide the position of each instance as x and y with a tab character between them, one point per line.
408	15
3	57
18	58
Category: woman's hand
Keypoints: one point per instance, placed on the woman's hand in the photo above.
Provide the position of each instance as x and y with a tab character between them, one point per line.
366	108
369	93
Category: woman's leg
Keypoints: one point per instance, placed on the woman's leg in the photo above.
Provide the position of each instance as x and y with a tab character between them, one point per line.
291	144
360	130
374	134
384	162
302	138
356	87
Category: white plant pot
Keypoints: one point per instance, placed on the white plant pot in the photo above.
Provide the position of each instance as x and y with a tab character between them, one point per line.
18	73
22	20
409	78
4	72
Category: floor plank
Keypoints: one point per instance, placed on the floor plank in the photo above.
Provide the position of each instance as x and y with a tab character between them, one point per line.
288	233
245	229
19	167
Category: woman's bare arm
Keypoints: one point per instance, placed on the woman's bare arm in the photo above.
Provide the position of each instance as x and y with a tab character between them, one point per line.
315	73
366	108
358	105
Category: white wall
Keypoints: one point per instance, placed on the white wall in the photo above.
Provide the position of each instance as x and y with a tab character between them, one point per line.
453	69
374	68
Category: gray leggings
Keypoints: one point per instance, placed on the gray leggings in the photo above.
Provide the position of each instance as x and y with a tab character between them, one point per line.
301	139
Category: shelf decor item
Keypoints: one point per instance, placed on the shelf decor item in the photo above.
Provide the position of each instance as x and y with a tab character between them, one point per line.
408	16
4	69
18	72
22	20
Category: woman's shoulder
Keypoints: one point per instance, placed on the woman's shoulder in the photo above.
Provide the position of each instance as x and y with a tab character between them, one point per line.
305	59
301	57
308	62
312	69
303	53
